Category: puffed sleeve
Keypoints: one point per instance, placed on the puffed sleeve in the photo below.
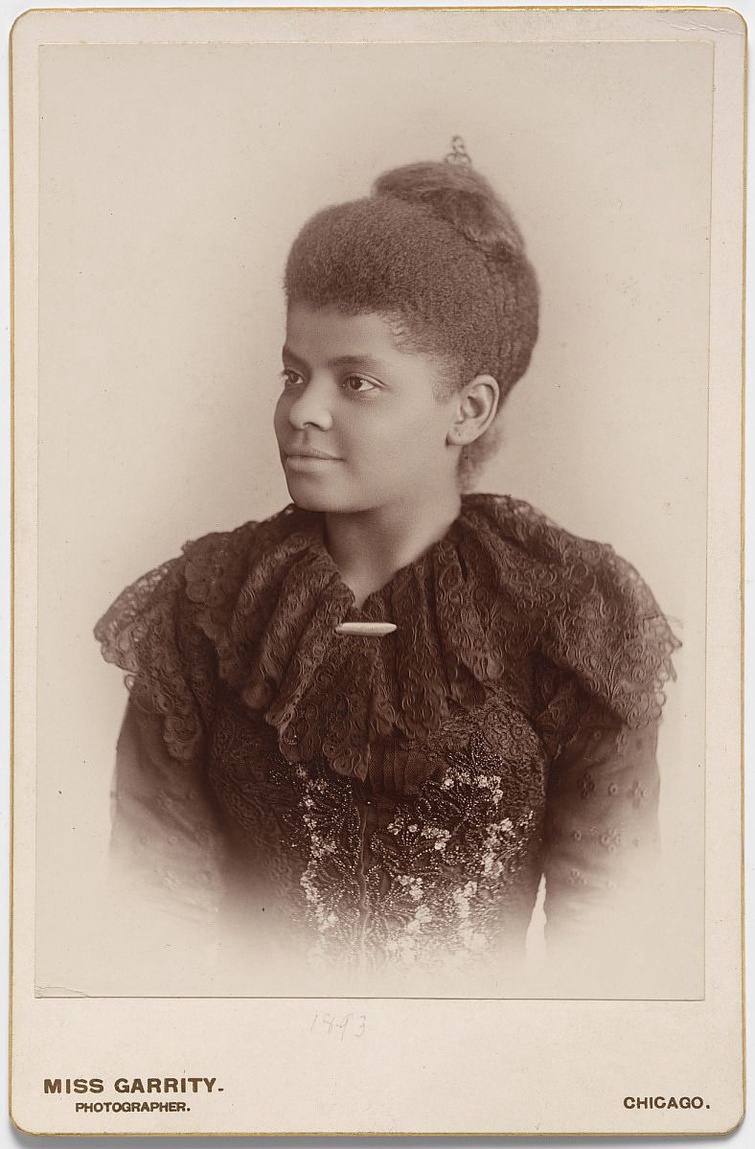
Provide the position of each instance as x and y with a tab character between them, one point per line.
167	844
602	842
604	660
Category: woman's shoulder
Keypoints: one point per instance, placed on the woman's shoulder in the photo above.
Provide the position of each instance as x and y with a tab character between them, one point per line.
167	629
550	556
535	533
208	572
593	614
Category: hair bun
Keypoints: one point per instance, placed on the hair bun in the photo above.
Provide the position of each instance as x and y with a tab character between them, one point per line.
458	194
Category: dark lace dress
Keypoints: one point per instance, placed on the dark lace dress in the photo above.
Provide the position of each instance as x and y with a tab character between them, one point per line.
394	799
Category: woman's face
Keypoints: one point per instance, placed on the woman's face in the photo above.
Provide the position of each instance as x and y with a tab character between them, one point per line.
359	424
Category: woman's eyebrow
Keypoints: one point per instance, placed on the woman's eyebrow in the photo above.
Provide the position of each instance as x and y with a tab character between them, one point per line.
353	360
368	361
287	353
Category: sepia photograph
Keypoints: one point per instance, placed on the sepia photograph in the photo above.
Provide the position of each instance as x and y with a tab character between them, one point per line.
376	553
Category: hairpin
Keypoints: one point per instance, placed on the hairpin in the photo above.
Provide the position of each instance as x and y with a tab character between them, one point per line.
458	153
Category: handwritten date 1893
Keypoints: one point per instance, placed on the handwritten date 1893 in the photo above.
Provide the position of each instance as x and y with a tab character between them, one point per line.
339	1026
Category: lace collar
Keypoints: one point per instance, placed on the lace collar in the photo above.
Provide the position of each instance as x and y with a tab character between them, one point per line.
503	584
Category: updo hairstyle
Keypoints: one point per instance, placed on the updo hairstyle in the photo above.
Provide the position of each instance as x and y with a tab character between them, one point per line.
438	255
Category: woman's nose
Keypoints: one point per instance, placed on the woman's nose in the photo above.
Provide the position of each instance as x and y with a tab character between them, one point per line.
311	407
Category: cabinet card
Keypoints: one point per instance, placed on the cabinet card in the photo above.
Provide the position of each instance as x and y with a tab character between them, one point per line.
422	733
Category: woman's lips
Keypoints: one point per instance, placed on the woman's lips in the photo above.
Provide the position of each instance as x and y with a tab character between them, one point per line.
309	460
309	453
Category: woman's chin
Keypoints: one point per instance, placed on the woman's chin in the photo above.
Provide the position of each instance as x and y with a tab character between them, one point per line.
308	504
311	494
314	501
308	498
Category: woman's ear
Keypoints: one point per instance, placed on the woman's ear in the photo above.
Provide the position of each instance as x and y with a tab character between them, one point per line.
476	407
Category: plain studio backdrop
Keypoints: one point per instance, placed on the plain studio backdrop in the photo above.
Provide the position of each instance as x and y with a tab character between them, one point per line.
173	180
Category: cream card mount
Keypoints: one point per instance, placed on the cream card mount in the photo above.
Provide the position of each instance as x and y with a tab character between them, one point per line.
431	764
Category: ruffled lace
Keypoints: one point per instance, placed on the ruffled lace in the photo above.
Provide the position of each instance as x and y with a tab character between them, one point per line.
141	634
504	589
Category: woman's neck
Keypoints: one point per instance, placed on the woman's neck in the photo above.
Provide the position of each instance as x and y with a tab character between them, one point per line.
368	547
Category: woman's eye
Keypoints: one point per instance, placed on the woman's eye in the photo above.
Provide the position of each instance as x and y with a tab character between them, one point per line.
358	385
290	378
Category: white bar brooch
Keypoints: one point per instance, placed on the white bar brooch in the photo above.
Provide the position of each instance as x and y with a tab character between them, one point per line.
366	629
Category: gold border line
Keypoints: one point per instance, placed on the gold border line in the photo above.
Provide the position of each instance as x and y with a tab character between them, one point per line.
11	565
743	583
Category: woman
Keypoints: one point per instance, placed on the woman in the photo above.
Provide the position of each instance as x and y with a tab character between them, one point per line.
370	725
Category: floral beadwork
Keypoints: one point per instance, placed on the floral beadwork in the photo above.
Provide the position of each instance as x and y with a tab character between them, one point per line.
406	880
